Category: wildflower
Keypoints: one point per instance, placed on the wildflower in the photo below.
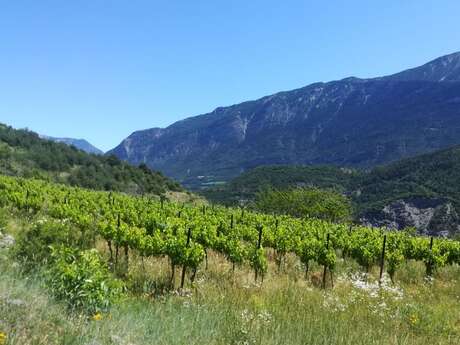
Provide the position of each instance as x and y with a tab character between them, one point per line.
265	317
413	319
97	317
247	316
2	338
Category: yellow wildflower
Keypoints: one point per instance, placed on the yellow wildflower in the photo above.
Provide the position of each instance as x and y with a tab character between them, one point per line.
413	319
2	338
96	317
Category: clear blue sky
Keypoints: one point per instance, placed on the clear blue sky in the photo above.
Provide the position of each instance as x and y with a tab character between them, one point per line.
100	70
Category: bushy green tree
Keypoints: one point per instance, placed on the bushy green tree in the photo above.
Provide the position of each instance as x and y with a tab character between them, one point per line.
304	202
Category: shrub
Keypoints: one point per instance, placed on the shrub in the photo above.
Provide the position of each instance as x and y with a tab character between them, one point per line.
82	280
33	244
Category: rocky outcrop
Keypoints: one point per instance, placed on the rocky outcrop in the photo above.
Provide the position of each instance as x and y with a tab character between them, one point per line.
436	217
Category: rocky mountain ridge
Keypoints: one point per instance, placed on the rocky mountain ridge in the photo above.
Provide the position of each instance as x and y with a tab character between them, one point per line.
352	122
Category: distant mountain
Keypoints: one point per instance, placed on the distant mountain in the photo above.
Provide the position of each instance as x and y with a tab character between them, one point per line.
422	191
352	122
25	154
80	144
445	68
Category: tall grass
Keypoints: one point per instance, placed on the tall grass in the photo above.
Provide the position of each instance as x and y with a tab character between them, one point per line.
222	309
226	307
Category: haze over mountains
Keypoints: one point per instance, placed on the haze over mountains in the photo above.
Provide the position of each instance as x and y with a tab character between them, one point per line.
351	122
80	144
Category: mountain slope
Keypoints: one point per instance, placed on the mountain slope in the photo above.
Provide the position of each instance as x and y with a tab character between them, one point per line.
80	144
445	68
352	122
423	191
25	154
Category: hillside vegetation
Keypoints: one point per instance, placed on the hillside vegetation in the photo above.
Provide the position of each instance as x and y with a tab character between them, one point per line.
24	153
433	177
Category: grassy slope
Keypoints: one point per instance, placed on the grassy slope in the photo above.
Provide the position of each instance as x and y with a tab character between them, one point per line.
23	153
226	309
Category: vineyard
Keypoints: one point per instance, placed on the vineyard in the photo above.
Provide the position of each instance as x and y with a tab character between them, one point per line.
186	234
109	268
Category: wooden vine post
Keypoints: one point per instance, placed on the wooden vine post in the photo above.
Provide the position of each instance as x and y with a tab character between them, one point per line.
325	266
276	254
27	202
382	259
429	265
116	243
184	266
259	245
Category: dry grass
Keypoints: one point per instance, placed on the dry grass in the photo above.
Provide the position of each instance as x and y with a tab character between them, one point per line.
226	307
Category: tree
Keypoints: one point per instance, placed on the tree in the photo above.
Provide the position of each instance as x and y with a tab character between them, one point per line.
305	202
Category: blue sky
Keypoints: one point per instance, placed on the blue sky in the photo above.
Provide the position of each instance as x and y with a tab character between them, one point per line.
100	70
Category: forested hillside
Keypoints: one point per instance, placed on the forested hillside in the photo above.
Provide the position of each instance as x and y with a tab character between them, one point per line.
25	154
386	195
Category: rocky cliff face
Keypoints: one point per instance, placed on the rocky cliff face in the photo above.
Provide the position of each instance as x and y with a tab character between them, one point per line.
352	122
436	217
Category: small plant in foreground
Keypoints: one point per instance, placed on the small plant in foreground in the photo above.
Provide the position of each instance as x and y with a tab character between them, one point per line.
3	338
82	280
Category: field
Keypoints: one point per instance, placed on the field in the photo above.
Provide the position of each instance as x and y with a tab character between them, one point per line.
222	309
220	302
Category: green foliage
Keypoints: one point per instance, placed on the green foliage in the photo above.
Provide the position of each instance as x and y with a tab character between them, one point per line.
185	233
327	257
258	261
432	175
32	247
246	186
82	280
429	178
309	250
24	153
305	202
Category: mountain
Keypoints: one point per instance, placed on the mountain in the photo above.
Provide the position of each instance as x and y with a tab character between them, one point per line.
80	144
351	122
25	154
445	68
422	191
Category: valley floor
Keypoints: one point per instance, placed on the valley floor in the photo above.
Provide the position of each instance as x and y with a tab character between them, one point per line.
223	307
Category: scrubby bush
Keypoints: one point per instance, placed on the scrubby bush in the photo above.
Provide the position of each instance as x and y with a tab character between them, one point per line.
82	280
32	247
